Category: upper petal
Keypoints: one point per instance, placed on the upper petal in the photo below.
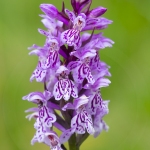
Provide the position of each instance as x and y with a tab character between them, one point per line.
82	100
52	12
97	23
96	12
34	97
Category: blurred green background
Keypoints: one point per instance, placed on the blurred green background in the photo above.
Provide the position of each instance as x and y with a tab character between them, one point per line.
129	117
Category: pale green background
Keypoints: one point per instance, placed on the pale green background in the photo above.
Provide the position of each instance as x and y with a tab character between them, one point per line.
129	117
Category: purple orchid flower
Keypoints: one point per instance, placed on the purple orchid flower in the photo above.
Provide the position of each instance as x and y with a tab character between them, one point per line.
43	134
72	36
94	102
81	68
64	87
48	55
81	23
81	122
99	124
37	97
48	59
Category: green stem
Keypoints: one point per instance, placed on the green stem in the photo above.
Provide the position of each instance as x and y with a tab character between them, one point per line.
81	138
72	143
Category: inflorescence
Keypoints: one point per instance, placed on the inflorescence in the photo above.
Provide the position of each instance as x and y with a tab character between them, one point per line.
72	73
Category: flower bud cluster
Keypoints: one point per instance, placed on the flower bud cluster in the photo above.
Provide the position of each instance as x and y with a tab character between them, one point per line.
72	73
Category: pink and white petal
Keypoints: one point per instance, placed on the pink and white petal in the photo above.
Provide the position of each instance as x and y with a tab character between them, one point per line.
47	95
49	10
49	120
67	89
39	75
103	110
78	124
89	125
88	74
37	52
80	101
46	33
94	102
74	121
103	82
34	97
80	129
74	64
78	74
54	60
52	12
66	135
70	14
33	109
61	69
74	90
46	117
59	23
49	23
71	37
33	115
34	140
53	134
34	46
88	53
58	92
97	23
82	18
99	126
66	95
68	106
85	36
103	43
91	21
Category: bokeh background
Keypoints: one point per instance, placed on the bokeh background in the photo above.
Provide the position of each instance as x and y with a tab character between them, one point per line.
129	117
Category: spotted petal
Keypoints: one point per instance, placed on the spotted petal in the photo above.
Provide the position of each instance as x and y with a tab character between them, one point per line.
46	33
70	14
66	135
46	117
80	72
77	122
39	75
99	126
71	37
40	131
82	121
58	92
94	102
64	88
